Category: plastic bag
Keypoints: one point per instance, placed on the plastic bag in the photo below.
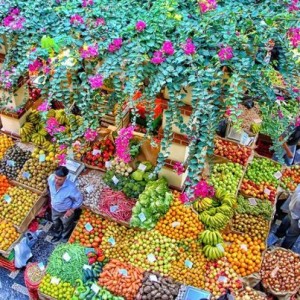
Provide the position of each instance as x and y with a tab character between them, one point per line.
23	248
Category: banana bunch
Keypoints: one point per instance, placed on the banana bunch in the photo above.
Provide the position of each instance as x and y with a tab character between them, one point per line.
51	113
26	129
38	139
213	219
79	120
225	197
225	210
210	237
202	205
34	117
48	146
72	122
61	116
255	128
213	252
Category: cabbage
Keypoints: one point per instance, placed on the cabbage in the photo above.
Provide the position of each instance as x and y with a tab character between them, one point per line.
147	164
137	175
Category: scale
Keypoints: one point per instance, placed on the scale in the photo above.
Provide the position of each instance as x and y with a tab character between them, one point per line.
75	168
192	293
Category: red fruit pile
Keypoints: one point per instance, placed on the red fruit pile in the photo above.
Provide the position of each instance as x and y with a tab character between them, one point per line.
232	151
291	178
101	152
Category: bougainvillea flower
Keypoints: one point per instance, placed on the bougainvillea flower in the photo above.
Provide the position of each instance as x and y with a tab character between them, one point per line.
14	20
88	52
158	57
96	81
280	114
35	66
297	123
179	168
167	48
189	48
44	106
207	5
100	22
123	143
294	36
86	3
140	25
115	45
294	6
225	53
90	134
184	198
76	19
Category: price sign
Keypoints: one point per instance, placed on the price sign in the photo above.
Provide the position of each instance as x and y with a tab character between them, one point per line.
88	227
42	157
175	224
55	280
7	198
257	121
108	164
89	189
151	258
142	167
252	201
41	266
123	272
244	247
267	191
220	247
89	250
153	278
113	208
26	175
66	257
223	279
96	152
278	175
188	264
10	163
274	272
115	180
142	217
87	267
95	288
112	241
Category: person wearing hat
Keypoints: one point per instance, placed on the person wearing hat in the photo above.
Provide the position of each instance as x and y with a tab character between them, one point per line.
65	198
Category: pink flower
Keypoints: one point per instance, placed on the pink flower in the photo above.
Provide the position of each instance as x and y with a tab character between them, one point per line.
62	159
99	22
76	20
297	123
52	126
86	3
228	112
189	48
179	168
122	143
96	81
294	36
295	90
280	114
280	98
8	85
167	48
157	57
90	51
44	106
203	189
225	53
14	20
294	6
184	198
35	66
62	147
90	134
115	45
140	25
207	5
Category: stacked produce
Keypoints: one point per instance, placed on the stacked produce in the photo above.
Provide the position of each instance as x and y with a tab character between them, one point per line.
152	251
249	117
232	151
16	203
13	161
153	203
89	230
255	226
120	167
56	288
91	290
8	235
116	205
35	173
189	267
213	244
4	185
5	143
91	186
121	279
249	294
66	262
43	155
158	287
226	176
261	179
220	276
100	152
291	178
244	253
254	207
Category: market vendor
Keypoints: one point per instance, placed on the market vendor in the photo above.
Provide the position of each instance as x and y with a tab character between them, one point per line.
65	198
290	226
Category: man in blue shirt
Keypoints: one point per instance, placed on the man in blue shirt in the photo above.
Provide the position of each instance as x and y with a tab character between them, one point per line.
65	198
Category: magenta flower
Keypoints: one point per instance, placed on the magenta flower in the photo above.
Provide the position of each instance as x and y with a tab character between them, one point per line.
89	52
294	6
76	19
52	126
184	198
99	22
297	123
140	25
225	53
280	98
207	5
62	159
179	168
157	57
189	48
122	144
295	90
96	81
280	114
62	147
8	85
44	106
294	36
90	134
86	3
228	112
115	45
167	48
203	189
35	66
14	20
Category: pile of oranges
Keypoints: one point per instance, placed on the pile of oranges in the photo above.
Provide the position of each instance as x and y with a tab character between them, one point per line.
244	253
4	185
5	143
8	235
189	268
180	222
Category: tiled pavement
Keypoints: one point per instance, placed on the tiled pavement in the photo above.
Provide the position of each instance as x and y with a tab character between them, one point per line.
12	286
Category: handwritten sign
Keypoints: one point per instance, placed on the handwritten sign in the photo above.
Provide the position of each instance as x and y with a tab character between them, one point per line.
96	152
142	217
123	272
55	280
88	227
188	264
41	266
10	163
175	224
108	164
153	278
252	201
142	167
220	247
26	175
89	189
87	267
42	157
66	257
278	175
267	191
115	180
95	288
112	241
151	258
113	208
7	198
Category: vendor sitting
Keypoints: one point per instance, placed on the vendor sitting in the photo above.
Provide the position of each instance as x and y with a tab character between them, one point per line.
65	198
